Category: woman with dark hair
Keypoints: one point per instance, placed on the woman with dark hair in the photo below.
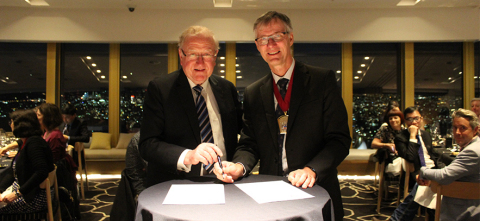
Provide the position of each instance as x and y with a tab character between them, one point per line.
50	118
20	186
385	136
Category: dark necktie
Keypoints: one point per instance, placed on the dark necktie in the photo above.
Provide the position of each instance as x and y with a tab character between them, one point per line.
204	122
282	87
420	152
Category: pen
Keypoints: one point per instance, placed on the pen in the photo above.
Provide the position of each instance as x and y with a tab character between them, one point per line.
220	164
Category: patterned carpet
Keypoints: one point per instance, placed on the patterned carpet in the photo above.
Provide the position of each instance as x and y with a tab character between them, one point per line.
359	200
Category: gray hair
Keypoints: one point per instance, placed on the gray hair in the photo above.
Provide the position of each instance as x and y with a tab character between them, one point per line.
468	115
475	99
197	31
270	16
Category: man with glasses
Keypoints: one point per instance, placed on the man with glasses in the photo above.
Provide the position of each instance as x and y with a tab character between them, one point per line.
295	121
415	146
190	116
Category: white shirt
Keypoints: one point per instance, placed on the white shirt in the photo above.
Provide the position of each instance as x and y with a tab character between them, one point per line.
428	161
215	123
288	76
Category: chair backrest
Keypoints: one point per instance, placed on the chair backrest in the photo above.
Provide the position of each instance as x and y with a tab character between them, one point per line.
79	146
49	181
457	189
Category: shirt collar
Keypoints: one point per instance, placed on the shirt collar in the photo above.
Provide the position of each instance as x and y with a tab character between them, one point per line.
287	75
205	84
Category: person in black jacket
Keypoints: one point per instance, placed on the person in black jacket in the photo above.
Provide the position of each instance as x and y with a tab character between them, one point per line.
21	185
74	130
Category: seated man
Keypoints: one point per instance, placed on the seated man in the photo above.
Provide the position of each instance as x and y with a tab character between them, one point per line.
465	168
415	146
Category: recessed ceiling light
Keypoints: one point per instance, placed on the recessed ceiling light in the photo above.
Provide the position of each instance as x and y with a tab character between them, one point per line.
460	72
222	71
356	77
238	71
222	3
94	65
99	71
362	65
338	71
237	65
366	58
124	77
102	77
359	72
222	58
239	77
37	2
88	57
222	65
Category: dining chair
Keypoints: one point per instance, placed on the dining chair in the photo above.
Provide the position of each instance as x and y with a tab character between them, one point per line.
457	189
381	183
52	206
79	148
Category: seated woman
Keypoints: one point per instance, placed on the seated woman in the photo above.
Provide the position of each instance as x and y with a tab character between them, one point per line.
20	186
385	136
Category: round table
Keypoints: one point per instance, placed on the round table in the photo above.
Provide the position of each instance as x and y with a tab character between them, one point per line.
238	205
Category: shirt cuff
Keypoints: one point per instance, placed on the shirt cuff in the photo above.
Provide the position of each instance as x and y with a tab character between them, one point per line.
244	170
180	165
414	140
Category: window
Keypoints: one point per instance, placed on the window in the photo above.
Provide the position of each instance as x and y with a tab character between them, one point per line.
23	78
438	82
375	83
85	82
140	63
477	68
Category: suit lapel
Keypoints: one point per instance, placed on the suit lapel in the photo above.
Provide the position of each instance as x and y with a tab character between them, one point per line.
185	94
266	91
300	82
219	94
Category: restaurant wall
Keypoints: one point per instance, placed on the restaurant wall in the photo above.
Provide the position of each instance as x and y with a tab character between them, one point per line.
36	24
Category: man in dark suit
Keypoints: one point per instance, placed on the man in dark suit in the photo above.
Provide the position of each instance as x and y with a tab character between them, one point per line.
298	128
74	129
171	138
415	146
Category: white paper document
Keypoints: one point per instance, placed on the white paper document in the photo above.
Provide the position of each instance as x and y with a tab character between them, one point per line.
195	194
273	191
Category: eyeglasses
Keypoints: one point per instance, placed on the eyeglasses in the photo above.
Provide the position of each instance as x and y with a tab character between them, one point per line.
276	37
412	119
194	57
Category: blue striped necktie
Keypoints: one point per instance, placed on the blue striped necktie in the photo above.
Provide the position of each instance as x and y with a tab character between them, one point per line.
204	122
420	151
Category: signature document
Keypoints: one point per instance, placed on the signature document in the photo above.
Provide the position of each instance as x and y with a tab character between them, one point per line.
273	191
195	194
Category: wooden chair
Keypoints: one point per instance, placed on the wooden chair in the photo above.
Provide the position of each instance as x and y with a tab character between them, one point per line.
44	214
381	183
462	190
408	168
79	148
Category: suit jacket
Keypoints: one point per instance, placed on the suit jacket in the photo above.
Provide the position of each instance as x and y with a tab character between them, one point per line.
170	123
317	130
78	132
409	150
465	168
33	163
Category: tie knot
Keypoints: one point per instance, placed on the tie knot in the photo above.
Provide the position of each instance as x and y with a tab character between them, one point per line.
282	83
198	89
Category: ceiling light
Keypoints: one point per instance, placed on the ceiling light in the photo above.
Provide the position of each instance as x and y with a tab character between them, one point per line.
356	77
239	77
475	77
99	71
222	58
94	65
338	71
102	77
88	57
237	65
222	3
124	77
359	72
407	2
222	76
238	71
460	72
366	58
222	71
222	65
362	65
7	78
449	78
37	2
131	73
